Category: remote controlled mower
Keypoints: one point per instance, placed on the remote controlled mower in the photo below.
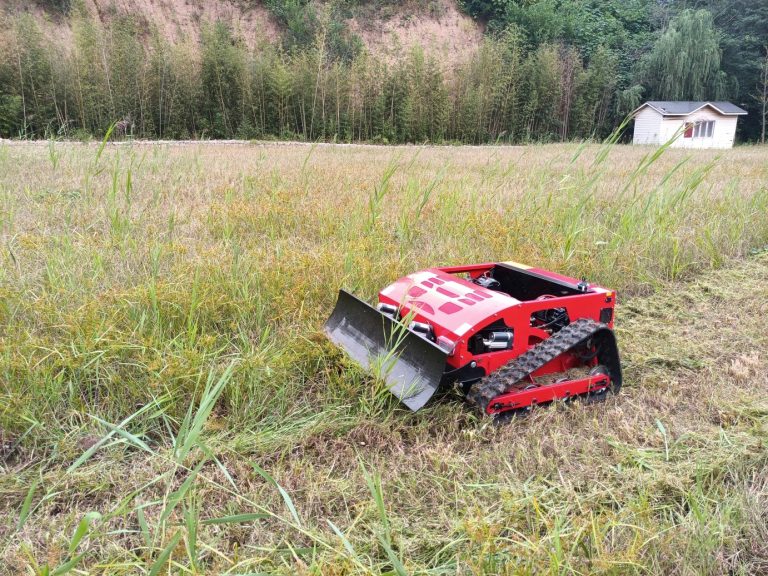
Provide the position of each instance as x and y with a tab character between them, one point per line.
511	335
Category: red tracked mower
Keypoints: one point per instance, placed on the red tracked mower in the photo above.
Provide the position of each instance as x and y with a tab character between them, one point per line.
513	336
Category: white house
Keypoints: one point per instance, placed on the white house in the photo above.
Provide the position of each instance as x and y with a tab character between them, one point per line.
694	124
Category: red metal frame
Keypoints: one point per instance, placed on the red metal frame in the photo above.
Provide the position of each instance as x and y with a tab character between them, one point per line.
457	309
542	394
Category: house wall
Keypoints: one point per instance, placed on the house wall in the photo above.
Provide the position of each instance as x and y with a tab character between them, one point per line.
652	128
722	136
647	127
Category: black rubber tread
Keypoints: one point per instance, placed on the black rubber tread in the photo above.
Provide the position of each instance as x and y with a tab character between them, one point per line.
579	333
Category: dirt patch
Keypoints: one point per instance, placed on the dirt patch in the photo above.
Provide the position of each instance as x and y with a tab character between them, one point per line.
443	31
175	20
183	20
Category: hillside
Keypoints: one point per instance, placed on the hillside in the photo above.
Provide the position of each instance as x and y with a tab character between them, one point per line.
389	29
475	71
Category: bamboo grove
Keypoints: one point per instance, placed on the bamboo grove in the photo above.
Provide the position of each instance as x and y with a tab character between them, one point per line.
220	88
546	70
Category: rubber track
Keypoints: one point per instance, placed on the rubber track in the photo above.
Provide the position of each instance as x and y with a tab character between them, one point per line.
575	334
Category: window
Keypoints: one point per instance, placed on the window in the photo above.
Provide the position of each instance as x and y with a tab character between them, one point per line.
704	129
688	130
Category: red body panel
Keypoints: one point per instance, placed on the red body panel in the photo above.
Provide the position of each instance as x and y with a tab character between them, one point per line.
447	301
457	308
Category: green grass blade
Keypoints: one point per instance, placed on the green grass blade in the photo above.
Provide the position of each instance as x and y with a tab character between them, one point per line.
219	465
191	434
286	498
131	438
394	560
82	529
178	495
103	144
27	504
158	564
374	485
144	527
344	540
191	523
113	430
68	566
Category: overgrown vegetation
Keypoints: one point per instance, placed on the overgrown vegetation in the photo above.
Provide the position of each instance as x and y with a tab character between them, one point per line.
307	25
680	50
549	70
168	403
226	91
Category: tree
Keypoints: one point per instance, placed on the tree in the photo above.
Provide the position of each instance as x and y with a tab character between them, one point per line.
570	69
11	108
34	78
299	19
94	99
223	80
594	94
127	60
543	87
762	95
684	63
424	111
744	28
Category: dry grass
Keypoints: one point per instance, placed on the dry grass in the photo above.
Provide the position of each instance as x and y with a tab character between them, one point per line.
133	276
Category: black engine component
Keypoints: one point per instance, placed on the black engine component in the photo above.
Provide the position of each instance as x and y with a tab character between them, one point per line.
553	319
488	282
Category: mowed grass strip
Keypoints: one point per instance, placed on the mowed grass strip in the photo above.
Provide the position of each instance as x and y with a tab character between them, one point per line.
169	404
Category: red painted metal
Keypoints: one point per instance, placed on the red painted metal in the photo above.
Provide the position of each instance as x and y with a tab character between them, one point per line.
564	390
457	308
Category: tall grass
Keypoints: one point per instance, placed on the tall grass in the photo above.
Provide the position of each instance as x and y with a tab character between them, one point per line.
168	404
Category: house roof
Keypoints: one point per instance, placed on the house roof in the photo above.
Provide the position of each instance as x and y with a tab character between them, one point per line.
683	108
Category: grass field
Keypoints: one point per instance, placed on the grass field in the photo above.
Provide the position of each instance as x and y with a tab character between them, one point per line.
168	404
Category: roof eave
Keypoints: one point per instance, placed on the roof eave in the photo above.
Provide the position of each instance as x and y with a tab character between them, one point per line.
682	114
742	113
643	105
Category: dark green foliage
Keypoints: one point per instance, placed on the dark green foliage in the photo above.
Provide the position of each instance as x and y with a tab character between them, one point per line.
11	114
305	25
423	110
669	49
594	91
685	61
488	93
586	24
61	6
482	9
223	82
31	83
298	18
548	70
743	29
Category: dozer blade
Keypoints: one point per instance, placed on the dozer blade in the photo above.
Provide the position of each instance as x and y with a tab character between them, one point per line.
411	365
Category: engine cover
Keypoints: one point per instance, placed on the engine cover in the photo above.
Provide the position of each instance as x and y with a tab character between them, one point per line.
452	305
